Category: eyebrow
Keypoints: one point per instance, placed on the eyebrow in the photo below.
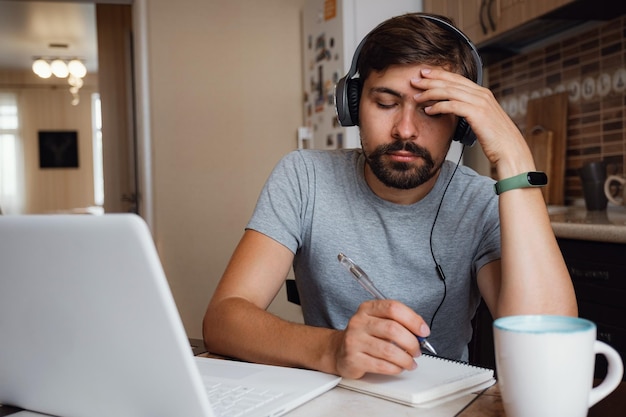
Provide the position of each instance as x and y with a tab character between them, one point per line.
386	90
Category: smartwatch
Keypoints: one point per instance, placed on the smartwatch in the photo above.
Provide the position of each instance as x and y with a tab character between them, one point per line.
524	180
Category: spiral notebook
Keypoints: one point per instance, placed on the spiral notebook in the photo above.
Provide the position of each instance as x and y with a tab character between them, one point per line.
435	380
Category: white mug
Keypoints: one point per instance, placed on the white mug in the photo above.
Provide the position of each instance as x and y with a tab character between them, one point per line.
620	200
545	365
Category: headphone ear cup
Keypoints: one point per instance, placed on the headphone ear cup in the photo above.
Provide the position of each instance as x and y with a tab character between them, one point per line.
464	133
341	106
347	97
353	99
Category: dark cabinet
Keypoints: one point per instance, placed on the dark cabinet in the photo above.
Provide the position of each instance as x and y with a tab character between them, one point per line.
482	20
598	270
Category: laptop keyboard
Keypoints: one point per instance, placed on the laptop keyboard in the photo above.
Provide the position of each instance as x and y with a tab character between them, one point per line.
236	400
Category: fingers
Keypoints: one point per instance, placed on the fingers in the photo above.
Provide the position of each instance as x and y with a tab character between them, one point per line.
392	319
382	357
380	338
451	93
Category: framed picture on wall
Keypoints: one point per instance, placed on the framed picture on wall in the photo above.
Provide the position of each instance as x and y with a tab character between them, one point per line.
58	149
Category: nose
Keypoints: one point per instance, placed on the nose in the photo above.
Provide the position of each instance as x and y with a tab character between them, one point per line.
405	125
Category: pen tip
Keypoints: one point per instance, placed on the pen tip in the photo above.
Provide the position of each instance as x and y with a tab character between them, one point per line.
429	347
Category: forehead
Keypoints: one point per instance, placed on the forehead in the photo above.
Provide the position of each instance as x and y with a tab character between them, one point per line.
395	76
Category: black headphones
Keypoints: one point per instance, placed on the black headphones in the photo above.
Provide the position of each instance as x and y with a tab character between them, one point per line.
348	89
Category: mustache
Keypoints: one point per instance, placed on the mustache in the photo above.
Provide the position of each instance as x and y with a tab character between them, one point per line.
403	146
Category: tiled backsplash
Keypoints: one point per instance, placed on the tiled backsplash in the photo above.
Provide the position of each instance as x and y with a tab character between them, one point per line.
591	67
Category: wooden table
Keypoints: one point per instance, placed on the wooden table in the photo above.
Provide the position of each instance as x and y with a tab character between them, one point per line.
489	404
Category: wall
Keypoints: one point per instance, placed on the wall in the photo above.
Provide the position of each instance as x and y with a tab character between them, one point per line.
225	102
46	105
591	66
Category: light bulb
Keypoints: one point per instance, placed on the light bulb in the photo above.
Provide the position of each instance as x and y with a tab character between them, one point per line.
77	68
59	68
75	81
42	68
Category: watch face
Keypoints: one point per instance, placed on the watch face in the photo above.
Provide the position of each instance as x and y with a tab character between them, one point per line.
537	178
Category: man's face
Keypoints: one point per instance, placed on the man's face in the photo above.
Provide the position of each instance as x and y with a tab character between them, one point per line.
404	147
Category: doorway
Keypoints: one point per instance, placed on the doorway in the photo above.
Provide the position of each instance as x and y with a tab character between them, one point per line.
65	188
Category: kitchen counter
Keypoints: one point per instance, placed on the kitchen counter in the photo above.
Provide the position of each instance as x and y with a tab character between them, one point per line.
575	222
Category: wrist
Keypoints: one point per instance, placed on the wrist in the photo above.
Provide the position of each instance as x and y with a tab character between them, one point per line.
330	352
514	163
504	171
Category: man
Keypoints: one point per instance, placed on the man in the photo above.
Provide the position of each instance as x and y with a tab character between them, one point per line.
432	236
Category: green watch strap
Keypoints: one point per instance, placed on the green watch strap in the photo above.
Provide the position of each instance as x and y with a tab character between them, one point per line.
524	180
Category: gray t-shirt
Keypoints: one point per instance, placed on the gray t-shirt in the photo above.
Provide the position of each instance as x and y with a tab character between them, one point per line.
317	204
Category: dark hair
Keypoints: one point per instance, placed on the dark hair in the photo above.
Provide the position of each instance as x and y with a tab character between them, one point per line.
412	39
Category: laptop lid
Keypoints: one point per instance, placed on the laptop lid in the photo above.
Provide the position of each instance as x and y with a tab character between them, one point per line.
89	327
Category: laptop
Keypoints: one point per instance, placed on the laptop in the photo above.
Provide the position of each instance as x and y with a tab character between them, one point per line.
89	328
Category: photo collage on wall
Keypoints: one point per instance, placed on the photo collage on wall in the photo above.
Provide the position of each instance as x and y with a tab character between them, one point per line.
322	69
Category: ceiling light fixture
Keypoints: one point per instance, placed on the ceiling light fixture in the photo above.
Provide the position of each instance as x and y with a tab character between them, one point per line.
73	69
41	67
59	68
77	68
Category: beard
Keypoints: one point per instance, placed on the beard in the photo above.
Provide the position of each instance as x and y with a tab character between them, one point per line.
401	175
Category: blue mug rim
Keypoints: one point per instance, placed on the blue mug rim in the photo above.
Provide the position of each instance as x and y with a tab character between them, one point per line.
559	324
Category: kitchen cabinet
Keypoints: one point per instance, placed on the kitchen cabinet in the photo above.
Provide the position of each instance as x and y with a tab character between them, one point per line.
598	271
482	20
468	15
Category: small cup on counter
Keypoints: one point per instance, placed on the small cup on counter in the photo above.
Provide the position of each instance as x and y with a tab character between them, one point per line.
593	177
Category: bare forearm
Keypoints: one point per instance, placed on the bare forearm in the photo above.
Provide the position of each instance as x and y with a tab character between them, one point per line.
534	276
237	328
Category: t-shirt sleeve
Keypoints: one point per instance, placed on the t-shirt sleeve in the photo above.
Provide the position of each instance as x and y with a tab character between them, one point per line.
279	210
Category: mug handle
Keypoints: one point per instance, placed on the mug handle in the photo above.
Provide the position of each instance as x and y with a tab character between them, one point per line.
614	375
607	188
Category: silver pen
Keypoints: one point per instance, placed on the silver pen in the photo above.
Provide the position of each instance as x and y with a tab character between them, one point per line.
362	278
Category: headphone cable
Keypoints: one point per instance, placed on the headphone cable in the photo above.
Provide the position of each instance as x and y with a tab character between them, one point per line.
438	267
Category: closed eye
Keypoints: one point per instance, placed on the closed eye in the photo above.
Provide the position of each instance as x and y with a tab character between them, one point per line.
386	105
385	98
